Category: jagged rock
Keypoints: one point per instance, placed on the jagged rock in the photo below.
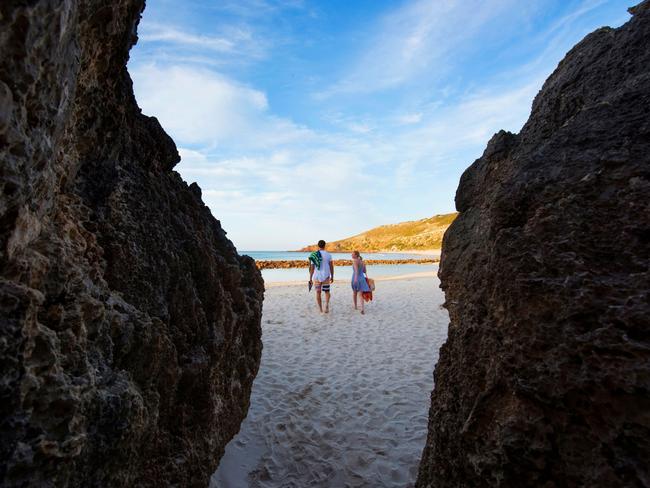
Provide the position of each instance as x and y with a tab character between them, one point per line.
545	378
130	327
293	264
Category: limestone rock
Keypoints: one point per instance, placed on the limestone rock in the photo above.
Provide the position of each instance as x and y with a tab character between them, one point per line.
130	327
545	378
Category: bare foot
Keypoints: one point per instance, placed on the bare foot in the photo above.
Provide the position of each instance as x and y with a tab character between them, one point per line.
362	312
327	310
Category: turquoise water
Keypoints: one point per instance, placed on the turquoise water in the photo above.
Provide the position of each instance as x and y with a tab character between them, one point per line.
298	255
343	274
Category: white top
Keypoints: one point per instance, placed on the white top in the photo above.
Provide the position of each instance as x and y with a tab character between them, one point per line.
323	274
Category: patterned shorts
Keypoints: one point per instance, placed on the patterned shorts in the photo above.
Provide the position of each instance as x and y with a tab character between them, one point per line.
322	285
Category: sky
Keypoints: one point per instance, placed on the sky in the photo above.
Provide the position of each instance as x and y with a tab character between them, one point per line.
304	120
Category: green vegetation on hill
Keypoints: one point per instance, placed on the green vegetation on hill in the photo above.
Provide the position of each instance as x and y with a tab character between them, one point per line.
414	235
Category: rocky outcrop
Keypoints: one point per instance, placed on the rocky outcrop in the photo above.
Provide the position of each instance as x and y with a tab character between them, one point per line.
290	264
130	327
545	378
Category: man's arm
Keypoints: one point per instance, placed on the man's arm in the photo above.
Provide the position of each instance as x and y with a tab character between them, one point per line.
332	269
311	271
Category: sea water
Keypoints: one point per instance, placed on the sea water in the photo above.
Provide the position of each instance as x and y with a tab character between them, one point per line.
341	273
300	255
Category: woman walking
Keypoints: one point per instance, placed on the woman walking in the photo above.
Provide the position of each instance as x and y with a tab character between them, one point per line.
360	285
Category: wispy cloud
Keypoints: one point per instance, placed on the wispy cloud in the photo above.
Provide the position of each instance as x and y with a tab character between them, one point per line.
161	33
230	42
410	118
257	8
417	38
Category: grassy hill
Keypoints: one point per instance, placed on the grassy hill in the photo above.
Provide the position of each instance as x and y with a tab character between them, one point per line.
422	234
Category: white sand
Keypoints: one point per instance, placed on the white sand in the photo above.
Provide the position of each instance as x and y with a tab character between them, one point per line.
340	399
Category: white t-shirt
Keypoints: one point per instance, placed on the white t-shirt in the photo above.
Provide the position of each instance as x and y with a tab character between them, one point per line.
323	274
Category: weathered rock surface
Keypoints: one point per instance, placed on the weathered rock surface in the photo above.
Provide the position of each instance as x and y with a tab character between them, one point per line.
130	327
545	378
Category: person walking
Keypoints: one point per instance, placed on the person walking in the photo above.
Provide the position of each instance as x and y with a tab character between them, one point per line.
321	275
360	287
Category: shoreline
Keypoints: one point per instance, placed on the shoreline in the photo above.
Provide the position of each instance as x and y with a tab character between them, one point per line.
408	276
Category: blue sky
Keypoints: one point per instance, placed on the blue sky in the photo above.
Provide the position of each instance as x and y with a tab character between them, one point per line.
303	120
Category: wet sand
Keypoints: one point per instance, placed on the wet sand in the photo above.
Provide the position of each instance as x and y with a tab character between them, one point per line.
341	399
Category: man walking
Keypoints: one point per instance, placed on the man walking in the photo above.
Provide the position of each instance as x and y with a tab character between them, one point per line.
321	271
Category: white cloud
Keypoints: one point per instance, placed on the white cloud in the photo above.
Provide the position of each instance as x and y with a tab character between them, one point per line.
268	177
291	194
257	169
198	106
407	119
339	183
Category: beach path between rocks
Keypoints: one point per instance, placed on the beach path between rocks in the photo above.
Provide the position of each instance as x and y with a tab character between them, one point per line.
340	399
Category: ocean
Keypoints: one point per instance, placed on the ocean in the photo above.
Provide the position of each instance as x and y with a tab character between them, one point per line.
341	273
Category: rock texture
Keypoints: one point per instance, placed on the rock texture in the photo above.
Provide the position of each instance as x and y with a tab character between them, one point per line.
545	378
130	327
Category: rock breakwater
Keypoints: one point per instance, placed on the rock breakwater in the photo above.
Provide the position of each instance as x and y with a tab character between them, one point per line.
303	263
545	377
130	326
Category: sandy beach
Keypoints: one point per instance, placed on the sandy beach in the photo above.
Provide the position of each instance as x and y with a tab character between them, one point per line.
340	399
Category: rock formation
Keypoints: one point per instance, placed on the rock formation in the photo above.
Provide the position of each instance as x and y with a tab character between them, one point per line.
130	327
303	263
545	378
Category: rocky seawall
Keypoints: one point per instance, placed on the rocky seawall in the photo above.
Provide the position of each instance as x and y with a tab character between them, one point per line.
130	326
545	377
288	264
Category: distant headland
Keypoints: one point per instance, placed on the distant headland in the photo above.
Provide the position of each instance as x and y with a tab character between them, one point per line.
425	234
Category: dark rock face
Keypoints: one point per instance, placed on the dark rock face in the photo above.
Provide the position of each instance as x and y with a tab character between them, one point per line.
130	327
545	378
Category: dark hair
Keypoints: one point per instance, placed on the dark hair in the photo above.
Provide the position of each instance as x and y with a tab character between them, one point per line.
321	243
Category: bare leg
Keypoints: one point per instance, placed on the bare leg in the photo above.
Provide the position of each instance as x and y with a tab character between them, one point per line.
354	298
361	300
319	301
327	302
